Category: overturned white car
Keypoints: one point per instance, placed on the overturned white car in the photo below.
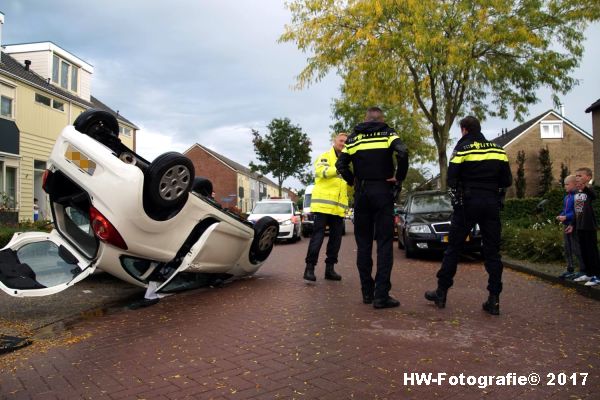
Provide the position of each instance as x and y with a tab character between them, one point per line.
136	220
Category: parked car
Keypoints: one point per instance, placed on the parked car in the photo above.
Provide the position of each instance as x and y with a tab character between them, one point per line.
285	212
424	224
136	220
308	218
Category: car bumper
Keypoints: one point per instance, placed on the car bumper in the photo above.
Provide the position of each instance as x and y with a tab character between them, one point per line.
308	226
439	242
286	231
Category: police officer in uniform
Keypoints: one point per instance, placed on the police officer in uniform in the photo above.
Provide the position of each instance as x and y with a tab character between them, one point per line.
329	202
478	176
377	180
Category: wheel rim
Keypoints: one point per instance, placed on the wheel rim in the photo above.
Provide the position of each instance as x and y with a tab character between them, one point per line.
174	182
267	238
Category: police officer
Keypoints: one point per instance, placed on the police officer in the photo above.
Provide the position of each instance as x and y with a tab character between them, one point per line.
329	202
370	151
478	176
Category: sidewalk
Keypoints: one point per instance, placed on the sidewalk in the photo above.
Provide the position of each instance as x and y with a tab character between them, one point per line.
550	273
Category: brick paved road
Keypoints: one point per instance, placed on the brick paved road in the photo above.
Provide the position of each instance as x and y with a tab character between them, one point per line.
273	336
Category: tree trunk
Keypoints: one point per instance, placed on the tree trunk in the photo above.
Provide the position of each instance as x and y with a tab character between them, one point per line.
443	162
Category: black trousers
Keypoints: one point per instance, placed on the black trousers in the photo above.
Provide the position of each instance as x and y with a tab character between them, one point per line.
588	244
484	211
336	227
374	218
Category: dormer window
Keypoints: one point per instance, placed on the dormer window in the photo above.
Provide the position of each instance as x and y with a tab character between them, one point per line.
551	129
64	74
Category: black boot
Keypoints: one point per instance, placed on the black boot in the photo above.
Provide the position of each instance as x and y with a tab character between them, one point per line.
386	302
309	272
367	296
438	296
331	274
492	305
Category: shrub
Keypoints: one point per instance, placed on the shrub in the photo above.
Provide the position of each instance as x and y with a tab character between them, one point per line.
544	243
7	232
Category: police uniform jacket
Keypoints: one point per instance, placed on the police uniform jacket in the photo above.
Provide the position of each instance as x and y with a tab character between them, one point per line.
478	166
330	194
368	155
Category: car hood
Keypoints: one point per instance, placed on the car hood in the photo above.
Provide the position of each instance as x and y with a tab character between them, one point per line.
277	217
429	218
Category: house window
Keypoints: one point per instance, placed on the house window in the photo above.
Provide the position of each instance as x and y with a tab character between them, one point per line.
551	129
58	105
6	107
47	101
64	74
8	186
125	131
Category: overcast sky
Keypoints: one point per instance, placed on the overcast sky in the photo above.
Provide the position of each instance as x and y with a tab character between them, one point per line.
208	72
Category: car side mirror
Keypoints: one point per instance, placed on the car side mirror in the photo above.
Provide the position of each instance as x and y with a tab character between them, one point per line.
540	206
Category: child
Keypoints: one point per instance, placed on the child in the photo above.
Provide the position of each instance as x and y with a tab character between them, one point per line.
567	217
586	225
36	210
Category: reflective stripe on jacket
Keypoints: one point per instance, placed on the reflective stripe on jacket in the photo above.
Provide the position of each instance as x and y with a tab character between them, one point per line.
330	194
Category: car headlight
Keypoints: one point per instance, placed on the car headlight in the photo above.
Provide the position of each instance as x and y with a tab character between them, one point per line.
419	229
286	222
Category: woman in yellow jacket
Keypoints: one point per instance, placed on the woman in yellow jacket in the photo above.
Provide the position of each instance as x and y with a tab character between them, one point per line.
329	202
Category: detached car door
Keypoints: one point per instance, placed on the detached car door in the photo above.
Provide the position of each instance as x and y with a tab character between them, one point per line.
40	264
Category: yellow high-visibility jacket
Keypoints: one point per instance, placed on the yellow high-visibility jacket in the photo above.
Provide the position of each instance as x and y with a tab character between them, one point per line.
330	194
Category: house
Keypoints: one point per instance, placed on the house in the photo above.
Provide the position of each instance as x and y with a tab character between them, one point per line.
567	143
233	184
595	110
43	88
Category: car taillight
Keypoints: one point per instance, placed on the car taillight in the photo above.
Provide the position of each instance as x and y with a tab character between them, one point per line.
45	178
104	230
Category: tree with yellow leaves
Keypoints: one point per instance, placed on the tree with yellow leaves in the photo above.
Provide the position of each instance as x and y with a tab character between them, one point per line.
439	59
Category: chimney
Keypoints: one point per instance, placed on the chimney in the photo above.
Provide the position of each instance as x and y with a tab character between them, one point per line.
27	64
562	109
1	24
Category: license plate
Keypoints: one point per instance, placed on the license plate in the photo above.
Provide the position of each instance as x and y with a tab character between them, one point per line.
445	238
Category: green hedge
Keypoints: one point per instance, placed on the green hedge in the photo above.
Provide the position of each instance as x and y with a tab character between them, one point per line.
544	243
532	233
7	232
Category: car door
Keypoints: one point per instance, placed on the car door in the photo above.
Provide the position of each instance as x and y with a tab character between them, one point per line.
41	264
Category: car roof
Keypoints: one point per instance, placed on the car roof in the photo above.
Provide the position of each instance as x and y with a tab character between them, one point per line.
427	192
276	201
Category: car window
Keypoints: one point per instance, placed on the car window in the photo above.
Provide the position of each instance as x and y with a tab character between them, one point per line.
45	259
272	208
307	198
431	203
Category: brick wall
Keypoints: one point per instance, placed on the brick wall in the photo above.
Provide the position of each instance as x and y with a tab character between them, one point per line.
574	150
596	134
223	178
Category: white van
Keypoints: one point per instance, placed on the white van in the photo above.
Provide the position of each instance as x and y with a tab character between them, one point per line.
308	219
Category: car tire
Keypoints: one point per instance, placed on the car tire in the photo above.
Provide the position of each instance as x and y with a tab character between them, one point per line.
168	180
400	242
408	250
99	125
265	234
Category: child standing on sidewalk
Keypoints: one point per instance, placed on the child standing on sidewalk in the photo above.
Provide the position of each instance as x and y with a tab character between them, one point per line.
586	225
567	217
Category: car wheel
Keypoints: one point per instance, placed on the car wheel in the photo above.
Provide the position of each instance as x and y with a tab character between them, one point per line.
408	250
265	233
168	180
99	125
400	242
